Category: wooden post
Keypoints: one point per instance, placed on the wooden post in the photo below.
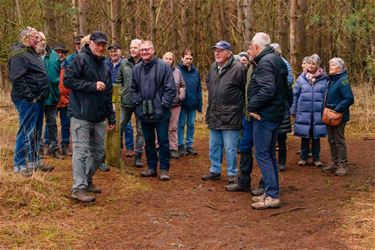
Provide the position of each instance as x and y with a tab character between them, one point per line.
113	147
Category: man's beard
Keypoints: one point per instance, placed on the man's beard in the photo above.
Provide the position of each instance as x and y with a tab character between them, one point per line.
40	49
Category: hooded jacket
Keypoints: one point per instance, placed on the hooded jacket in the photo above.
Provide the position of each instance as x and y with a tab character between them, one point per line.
86	103
124	78
193	95
52	65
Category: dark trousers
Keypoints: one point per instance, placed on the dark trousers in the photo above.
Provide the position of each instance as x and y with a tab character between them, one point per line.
161	129
65	125
336	139
281	140
50	130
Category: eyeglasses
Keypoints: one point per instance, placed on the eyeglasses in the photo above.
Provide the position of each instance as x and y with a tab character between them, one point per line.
146	49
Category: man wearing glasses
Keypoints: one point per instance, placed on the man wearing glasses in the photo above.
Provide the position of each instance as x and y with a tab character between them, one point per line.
153	90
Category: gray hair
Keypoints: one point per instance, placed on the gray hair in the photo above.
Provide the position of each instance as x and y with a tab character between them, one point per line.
148	42
305	59
262	39
237	58
339	62
26	33
136	41
315	58
277	48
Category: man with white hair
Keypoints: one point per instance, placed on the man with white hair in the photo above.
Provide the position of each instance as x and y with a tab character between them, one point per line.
267	95
29	89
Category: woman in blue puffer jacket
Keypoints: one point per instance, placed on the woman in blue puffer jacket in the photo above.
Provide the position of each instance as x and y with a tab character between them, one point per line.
308	97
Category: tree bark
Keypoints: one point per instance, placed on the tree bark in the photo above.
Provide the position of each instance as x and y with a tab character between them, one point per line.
50	24
82	4
292	36
115	20
175	37
301	30
19	13
75	19
282	32
184	22
152	32
248	22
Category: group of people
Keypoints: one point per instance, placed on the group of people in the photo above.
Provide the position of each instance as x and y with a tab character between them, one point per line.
250	101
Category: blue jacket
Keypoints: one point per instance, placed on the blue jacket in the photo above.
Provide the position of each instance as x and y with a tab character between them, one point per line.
285	126
153	81
308	105
193	96
113	69
339	95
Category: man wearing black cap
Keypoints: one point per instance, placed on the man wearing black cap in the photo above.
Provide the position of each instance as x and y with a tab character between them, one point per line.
226	86
77	48
90	105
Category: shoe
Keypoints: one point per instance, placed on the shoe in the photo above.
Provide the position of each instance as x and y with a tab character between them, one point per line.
236	187
282	167
149	173
83	196
266	202
129	153
103	167
232	179
318	164
331	168
45	150
211	177
56	154
258	197
182	150
44	168
138	160
258	191
341	170
164	175
191	151
66	151
93	189
175	154
309	155
302	163
26	173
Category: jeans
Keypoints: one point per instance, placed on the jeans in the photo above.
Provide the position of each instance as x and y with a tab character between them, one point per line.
126	114
281	140
129	135
30	121
265	137
336	139
186	117
65	125
50	130
227	139
246	147
305	145
161	129
88	151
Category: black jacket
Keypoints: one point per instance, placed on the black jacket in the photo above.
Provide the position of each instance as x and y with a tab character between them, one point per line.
27	74
86	103
226	95
268	92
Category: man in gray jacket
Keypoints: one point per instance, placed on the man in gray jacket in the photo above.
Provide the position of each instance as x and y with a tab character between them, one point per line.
226	86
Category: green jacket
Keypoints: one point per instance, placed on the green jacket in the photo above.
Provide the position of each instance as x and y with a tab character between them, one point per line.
124	78
52	65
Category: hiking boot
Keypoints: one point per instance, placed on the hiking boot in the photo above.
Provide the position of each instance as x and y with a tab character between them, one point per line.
83	196
258	191
164	175
45	150
103	167
258	197
191	151
26	173
341	170
44	168
318	164
93	189
138	160
129	153
175	154
236	187
149	173
182	150
282	167
211	177
302	163
266	202
232	179
330	168
66	151
56	154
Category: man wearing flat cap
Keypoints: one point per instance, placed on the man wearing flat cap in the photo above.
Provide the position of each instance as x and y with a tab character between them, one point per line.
226	86
90	105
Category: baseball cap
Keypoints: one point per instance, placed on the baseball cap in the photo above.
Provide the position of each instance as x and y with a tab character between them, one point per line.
98	37
77	39
61	47
222	45
114	46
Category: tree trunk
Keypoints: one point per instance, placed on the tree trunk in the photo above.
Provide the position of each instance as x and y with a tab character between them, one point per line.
50	24
248	22
301	30
292	36
184	24
18	11
75	19
239	17
282	32
175	37
82	4
115	20
152	31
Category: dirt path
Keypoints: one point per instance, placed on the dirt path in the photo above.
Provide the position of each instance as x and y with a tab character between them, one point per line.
319	211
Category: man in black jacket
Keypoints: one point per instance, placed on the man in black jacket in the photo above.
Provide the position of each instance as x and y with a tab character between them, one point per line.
29	89
267	94
153	90
226	91
90	104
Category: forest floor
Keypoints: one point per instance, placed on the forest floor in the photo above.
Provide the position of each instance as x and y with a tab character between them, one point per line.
318	210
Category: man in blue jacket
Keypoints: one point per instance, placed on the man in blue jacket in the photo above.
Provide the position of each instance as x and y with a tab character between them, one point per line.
153	90
267	94
90	105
